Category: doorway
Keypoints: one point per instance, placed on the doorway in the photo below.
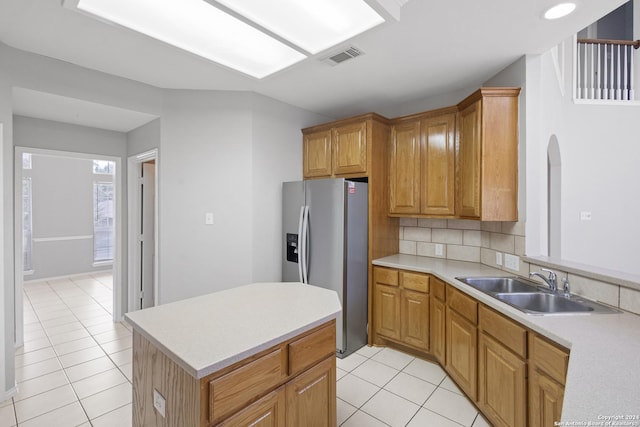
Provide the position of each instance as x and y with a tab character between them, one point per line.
61	250
143	230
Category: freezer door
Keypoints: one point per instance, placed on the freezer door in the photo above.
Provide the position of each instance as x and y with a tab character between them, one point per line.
326	254
292	201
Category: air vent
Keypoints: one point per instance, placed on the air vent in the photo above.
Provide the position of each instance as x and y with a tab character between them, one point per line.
343	55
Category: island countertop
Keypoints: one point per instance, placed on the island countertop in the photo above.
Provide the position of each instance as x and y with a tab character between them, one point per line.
603	373
207	333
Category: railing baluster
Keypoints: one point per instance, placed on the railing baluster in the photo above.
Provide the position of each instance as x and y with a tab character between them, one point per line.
618	88
599	91
604	80
625	89
612	87
632	95
593	86
578	73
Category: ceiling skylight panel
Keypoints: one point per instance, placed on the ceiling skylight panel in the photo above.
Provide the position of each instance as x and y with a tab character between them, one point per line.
313	25
198	27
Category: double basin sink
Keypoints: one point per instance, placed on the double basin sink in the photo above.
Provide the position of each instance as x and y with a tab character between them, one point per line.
529	297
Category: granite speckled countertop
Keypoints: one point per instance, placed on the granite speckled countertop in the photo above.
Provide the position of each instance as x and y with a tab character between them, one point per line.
603	379
210	332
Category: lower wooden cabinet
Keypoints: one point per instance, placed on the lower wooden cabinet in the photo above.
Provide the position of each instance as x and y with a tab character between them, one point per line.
462	352
514	375
414	319
311	397
502	383
548	365
401	307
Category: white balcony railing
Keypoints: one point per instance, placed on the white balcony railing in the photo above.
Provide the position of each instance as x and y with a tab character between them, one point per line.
605	69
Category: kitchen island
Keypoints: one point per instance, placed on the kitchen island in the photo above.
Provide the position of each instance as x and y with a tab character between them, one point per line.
264	351
603	372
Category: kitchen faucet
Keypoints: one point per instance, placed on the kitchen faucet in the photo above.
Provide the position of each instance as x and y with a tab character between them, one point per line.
552	280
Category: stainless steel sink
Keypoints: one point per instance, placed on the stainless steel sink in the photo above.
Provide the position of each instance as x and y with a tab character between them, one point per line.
495	285
531	298
543	303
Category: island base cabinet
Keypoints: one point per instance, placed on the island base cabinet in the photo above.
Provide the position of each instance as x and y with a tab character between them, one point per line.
266	412
311	397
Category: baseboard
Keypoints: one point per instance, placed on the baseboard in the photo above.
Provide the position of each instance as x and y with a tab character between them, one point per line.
68	276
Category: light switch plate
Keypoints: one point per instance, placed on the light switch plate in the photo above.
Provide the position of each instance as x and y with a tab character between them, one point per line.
159	402
208	218
498	258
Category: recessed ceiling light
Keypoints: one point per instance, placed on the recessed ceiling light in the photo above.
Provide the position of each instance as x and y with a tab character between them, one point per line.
310	24
560	10
200	28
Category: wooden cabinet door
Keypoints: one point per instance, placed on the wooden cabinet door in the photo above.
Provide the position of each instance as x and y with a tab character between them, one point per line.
469	152
387	311
501	384
545	400
266	412
316	156
462	352
350	149
437	196
311	396
437	329
415	319
404	168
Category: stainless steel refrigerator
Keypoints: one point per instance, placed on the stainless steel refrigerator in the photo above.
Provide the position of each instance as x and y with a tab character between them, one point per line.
325	238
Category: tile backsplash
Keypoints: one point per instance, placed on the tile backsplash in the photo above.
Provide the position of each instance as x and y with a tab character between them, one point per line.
475	241
462	240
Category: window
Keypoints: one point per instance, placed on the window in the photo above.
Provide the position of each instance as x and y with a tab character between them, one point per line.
102	221
104	167
26	223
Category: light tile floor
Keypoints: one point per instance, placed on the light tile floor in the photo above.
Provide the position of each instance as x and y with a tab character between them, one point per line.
75	366
385	387
75	370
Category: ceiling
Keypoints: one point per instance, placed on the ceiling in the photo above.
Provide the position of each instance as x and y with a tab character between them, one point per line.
436	47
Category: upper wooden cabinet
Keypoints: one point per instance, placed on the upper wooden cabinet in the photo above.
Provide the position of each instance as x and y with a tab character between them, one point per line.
404	170
342	148
317	154
487	155
422	164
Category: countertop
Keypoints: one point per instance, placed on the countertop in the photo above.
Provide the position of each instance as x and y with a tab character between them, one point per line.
210	332
603	379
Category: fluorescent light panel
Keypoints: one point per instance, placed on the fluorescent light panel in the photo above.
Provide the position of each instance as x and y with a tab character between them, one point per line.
313	25
198	27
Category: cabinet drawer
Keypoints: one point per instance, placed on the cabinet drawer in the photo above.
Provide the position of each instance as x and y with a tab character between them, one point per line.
385	276
414	281
548	357
462	304
437	288
309	350
241	386
507	332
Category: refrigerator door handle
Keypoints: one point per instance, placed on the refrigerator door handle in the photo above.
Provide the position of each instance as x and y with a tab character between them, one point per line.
304	246
300	250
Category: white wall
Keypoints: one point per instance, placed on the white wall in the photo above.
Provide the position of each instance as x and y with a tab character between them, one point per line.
599	151
144	138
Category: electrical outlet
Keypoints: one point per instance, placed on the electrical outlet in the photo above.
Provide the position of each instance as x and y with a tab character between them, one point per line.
512	262
208	218
439	249
498	258
159	402
585	216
